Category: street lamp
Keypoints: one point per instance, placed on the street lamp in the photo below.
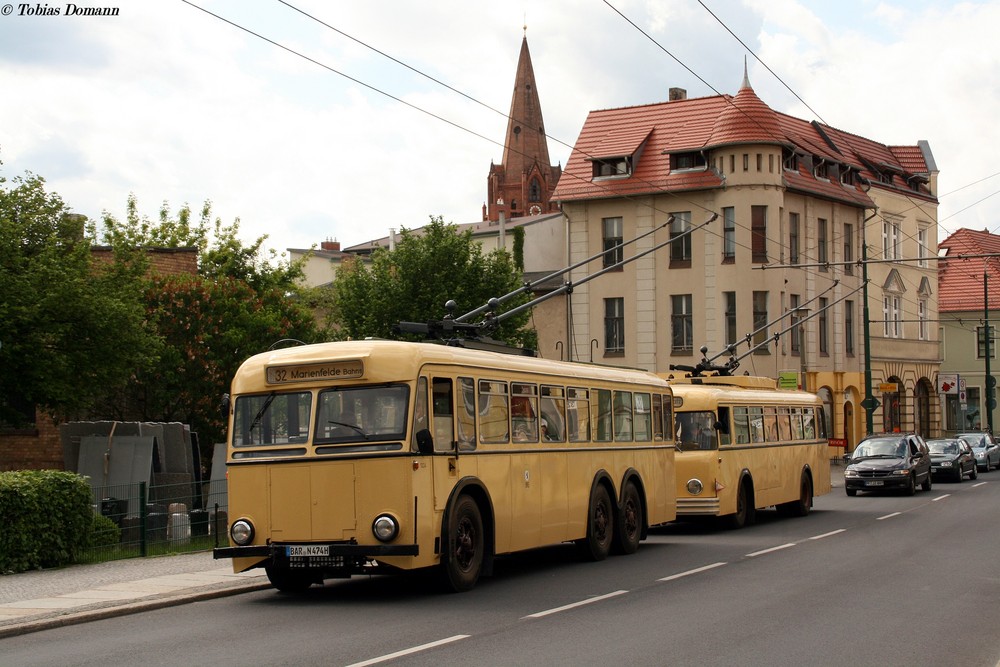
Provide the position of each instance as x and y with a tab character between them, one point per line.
503	232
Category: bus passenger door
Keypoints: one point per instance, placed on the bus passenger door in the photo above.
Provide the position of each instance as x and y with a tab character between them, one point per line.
442	422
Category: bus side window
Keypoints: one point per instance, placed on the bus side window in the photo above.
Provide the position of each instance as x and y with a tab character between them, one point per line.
578	414
420	422
723	425
741	419
467	414
602	406
553	414
494	412
444	415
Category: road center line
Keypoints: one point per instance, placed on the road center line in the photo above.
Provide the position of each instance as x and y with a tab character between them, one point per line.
888	516
934	500
409	651
832	532
979	484
690	572
574	605
767	551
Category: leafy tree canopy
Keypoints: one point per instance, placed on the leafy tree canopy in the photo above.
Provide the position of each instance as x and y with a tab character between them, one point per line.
69	327
415	280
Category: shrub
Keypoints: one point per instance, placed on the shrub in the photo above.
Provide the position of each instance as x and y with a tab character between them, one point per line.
46	516
103	533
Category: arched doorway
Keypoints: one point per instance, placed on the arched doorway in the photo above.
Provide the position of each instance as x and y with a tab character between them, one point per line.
922	407
892	407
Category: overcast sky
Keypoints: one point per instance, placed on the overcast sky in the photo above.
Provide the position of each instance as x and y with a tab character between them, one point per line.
304	133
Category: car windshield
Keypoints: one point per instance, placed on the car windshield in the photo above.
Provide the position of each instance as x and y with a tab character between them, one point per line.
974	440
876	447
942	446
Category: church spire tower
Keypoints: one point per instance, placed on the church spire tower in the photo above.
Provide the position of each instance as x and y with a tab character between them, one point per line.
524	180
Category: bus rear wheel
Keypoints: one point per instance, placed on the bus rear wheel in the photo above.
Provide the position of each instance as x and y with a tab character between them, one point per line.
801	506
288	581
464	561
629	532
600	526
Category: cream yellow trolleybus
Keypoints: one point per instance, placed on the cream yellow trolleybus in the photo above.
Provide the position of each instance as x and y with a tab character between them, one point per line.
373	456
745	445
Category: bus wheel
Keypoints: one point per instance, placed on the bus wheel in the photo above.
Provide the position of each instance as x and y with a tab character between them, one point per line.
801	506
464	561
744	515
600	526
629	531
288	581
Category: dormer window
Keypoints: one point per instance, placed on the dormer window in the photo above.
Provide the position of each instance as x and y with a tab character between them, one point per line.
693	160
822	170
615	166
791	161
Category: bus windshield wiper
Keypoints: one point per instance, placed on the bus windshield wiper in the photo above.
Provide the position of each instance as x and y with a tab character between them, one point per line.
345	425
260	413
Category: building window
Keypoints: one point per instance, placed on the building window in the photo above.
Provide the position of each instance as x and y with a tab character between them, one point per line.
760	162
732	163
615	166
892	326
746	162
981	343
824	332
612	241
793	238
770	163
849	327
681	334
922	319
848	248
728	233
694	160
922	248
614	326
793	305
821	254
890	240
758	233
730	299
534	191
760	322
680	237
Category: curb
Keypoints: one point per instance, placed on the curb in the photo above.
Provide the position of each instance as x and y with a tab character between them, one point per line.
75	618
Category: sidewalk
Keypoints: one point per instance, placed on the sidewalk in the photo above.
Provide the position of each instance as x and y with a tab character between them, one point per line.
42	599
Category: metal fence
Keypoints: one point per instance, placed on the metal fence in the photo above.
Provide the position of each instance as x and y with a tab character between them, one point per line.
158	519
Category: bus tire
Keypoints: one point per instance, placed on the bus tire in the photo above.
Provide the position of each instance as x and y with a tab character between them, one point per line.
630	523
600	526
288	581
745	512
804	503
463	563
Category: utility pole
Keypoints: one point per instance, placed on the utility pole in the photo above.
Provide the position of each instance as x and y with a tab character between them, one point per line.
870	403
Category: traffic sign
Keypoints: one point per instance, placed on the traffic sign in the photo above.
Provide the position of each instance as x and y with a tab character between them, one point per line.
871	403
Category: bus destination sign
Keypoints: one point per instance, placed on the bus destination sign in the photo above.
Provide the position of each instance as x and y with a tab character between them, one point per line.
332	370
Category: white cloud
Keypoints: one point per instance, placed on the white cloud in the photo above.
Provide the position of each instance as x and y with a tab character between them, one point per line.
172	104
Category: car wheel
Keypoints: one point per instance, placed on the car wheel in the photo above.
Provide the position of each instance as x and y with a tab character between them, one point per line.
912	488
960	477
975	473
926	486
852	492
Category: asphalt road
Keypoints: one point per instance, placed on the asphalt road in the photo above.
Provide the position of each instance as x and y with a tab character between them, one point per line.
886	580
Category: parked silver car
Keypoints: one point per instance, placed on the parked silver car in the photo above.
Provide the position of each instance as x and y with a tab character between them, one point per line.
985	447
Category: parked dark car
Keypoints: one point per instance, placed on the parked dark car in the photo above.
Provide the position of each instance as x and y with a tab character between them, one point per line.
985	447
952	458
889	461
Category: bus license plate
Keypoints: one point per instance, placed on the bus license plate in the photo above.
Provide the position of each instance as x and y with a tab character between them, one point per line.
873	482
306	550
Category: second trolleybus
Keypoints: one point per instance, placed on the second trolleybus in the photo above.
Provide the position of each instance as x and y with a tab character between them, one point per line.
746	445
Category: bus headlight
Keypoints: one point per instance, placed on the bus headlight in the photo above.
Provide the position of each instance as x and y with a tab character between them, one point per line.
385	528
695	487
242	532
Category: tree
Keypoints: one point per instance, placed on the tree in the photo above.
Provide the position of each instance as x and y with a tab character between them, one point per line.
240	303
413	282
69	327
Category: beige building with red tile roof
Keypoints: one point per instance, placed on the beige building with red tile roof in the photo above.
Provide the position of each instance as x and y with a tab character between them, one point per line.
967	281
760	219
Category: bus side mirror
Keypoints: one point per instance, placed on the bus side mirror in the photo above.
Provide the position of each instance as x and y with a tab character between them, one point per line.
425	441
224	406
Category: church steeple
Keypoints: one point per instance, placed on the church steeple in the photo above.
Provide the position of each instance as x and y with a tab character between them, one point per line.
524	180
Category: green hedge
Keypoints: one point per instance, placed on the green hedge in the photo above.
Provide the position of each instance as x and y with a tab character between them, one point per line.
46	518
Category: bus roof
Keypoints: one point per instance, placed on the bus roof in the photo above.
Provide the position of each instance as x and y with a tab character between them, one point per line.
400	360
